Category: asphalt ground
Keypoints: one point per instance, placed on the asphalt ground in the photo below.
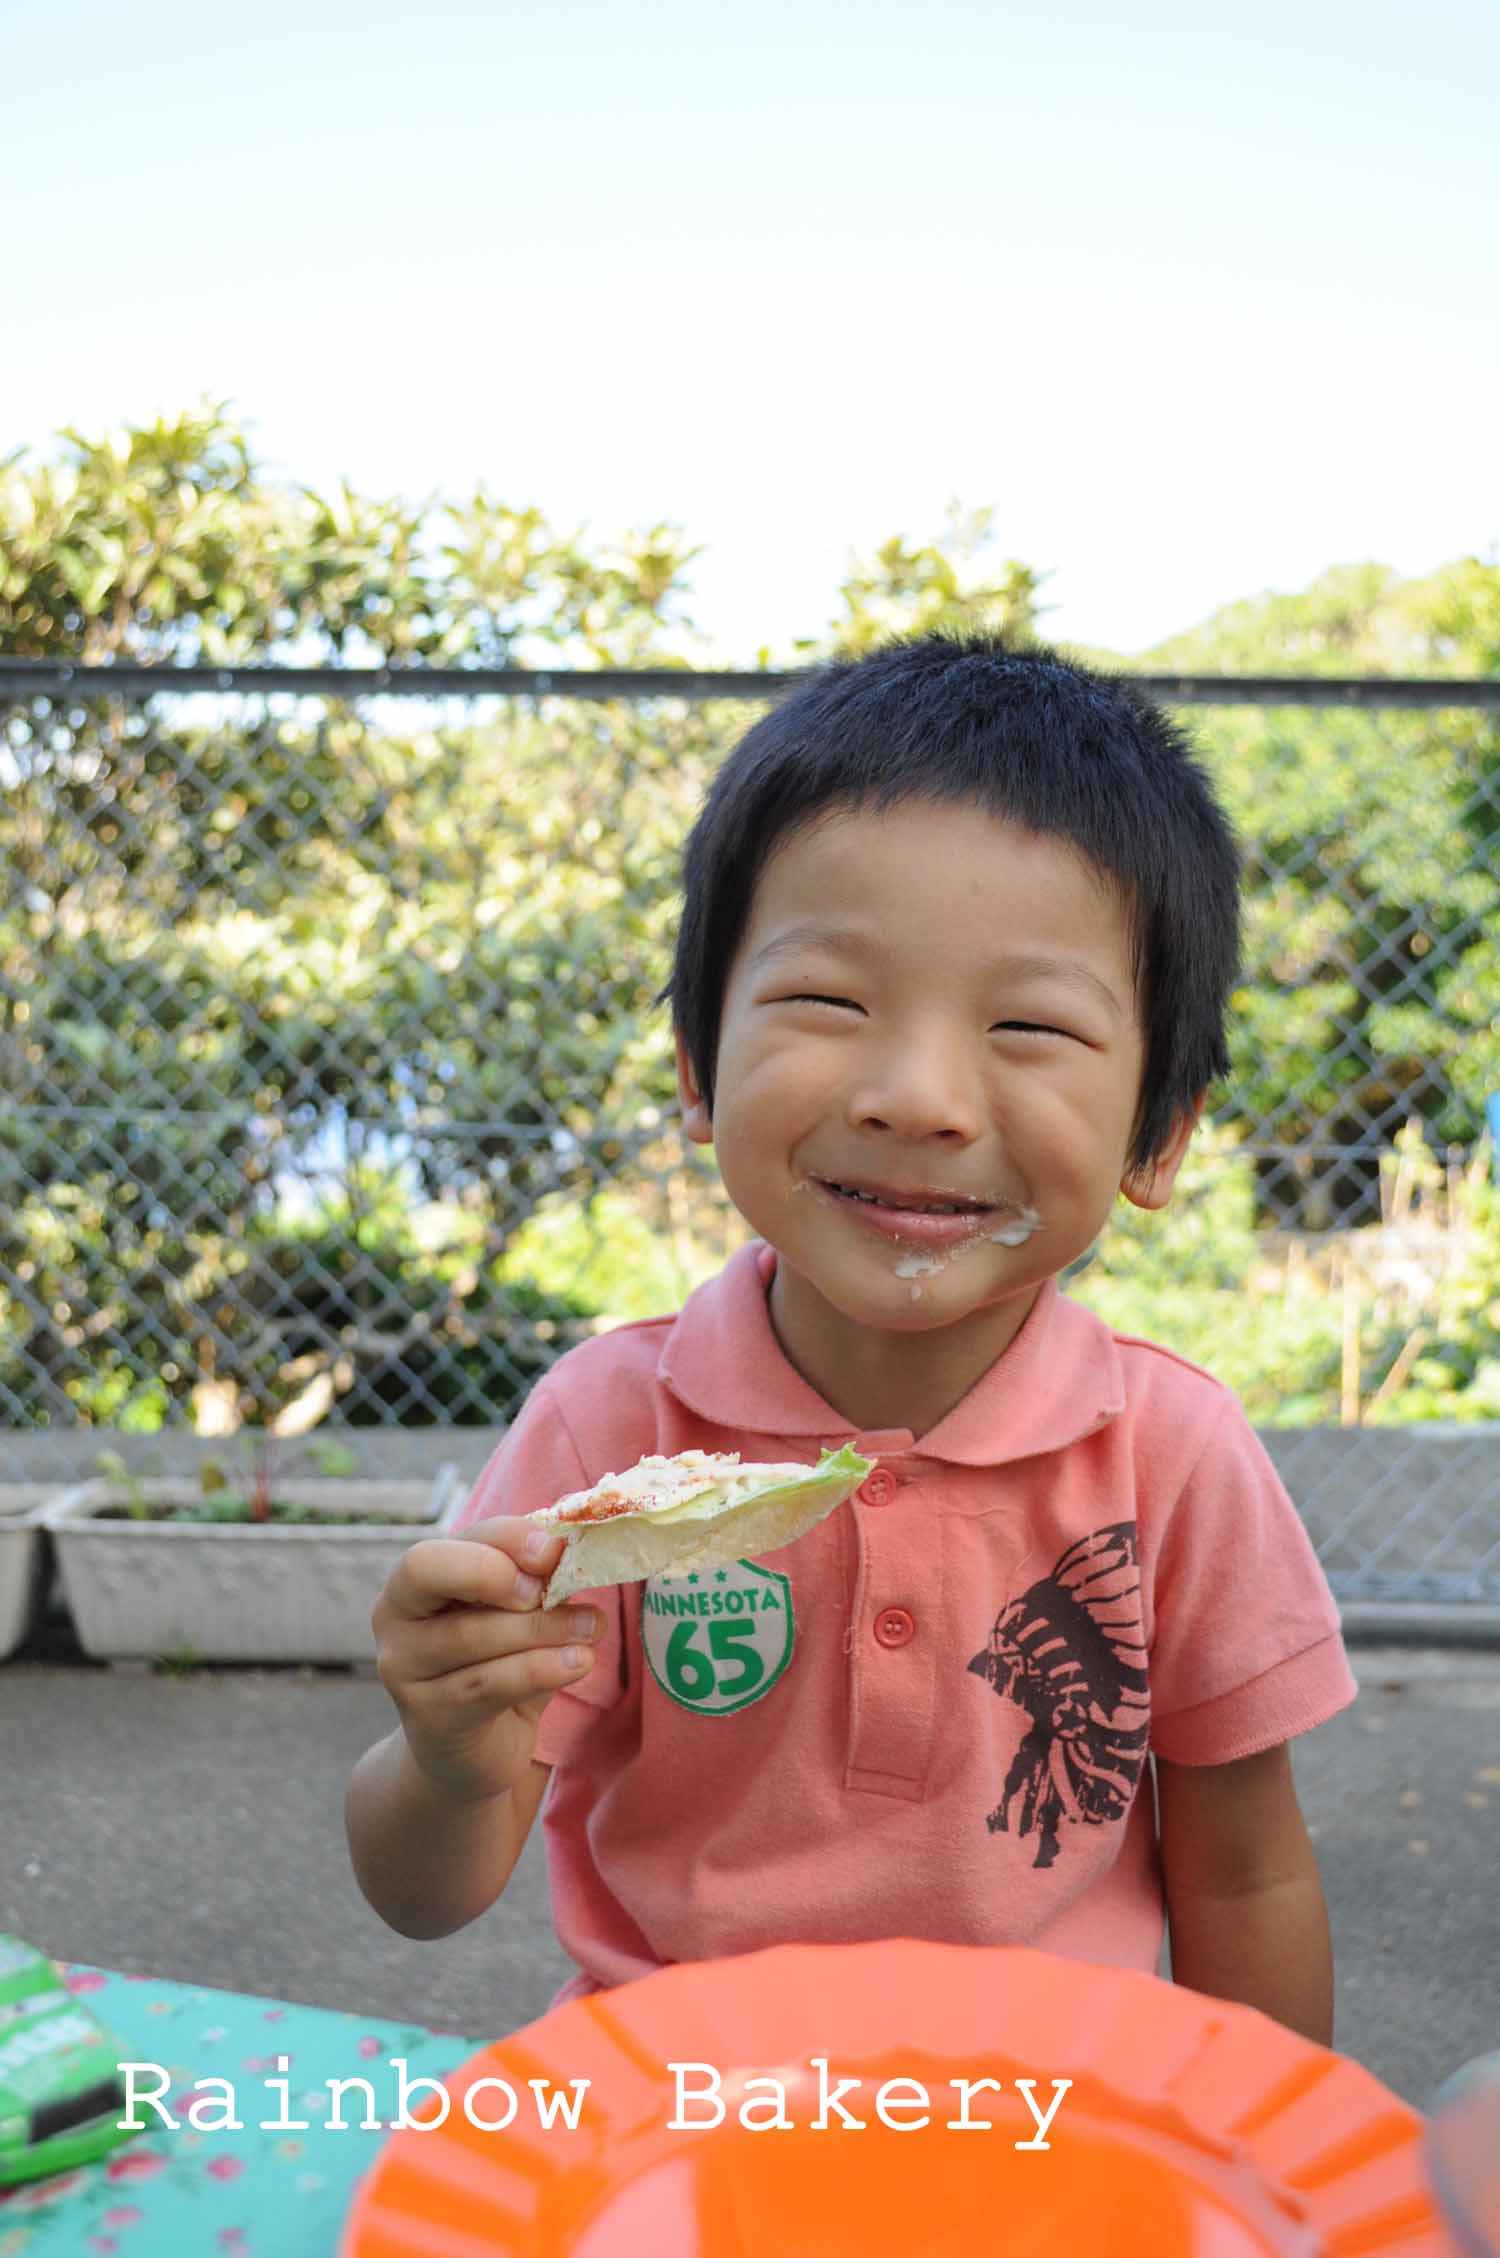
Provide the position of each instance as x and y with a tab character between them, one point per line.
190	1826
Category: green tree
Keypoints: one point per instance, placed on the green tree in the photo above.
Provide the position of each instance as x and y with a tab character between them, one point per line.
152	544
1354	619
246	941
948	582
1372	979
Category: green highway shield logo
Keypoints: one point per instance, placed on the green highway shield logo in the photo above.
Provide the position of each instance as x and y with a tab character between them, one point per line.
718	1640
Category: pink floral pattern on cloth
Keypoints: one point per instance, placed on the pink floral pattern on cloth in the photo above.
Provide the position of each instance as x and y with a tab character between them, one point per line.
249	2193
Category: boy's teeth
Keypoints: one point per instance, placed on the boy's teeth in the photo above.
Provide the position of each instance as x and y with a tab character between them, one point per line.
915	1207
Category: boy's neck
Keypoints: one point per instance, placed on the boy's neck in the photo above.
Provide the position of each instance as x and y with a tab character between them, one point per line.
878	1380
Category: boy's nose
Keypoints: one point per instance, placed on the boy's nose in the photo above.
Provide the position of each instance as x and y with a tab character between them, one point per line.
920	1089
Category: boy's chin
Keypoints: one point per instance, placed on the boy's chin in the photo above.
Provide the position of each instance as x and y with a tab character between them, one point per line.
920	1304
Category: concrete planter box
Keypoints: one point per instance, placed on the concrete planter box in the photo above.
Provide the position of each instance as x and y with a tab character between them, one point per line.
238	1592
24	1560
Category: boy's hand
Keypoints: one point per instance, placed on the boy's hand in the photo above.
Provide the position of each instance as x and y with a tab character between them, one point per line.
469	1658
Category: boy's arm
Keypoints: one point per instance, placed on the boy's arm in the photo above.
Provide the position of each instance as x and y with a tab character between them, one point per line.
1245	1904
427	1863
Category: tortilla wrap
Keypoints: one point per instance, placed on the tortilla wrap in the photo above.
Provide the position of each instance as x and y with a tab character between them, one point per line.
697	1511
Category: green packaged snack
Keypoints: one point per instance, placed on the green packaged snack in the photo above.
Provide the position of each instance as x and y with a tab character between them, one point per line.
61	2092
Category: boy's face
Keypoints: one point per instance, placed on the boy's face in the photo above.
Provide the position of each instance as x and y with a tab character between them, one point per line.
890	1026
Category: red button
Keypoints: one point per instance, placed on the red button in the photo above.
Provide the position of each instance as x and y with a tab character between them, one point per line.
893	1626
878	1489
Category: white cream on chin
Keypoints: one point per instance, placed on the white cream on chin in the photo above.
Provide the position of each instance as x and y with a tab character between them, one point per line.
1018	1229
921	1266
1013	1233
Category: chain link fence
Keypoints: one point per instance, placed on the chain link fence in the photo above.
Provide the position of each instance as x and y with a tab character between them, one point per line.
333	1090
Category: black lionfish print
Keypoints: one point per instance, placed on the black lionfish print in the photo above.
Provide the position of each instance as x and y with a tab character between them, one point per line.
1070	1650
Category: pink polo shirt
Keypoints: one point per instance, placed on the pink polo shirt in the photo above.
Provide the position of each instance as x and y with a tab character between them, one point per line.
929	1717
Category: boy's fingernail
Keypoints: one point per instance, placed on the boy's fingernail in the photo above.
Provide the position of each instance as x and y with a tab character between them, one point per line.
527	1587
536	1544
574	1658
581	1620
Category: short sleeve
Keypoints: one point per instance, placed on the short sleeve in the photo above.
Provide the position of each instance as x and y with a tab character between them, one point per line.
536	1463
1246	1650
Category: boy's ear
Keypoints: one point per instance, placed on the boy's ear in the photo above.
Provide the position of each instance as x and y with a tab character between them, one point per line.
1151	1186
695	1115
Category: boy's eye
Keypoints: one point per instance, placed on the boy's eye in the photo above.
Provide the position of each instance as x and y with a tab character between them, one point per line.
839	1003
1027	1027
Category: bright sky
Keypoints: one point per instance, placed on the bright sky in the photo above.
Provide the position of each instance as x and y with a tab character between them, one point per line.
1201	298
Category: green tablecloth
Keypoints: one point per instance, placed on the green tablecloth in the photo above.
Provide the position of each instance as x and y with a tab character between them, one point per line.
249	2194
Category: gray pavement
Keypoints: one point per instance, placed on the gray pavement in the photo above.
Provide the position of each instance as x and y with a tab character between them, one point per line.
190	1826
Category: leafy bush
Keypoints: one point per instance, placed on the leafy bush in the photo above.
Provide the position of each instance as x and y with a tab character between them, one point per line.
1198	1279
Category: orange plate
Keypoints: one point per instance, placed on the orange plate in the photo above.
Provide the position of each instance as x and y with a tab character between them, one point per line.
1189	2129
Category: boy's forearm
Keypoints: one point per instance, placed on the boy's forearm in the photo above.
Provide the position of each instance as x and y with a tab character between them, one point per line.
426	1864
1267	1947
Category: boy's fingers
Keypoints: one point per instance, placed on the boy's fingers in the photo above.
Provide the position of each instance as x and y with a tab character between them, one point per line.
466	1638
533	1547
437	1571
505	1680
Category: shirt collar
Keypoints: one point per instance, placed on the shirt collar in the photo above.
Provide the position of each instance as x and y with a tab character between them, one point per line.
1060	1379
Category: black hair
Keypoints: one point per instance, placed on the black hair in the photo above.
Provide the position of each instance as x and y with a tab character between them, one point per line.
1035	739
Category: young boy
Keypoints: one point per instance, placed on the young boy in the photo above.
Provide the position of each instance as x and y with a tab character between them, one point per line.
959	930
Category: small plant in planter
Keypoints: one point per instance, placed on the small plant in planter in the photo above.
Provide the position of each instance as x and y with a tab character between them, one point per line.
219	1501
246	1562
254	1500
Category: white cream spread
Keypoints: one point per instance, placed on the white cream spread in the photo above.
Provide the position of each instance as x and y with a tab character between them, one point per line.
668	1489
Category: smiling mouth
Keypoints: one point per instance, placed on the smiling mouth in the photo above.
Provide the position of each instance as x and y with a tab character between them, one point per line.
907	1203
